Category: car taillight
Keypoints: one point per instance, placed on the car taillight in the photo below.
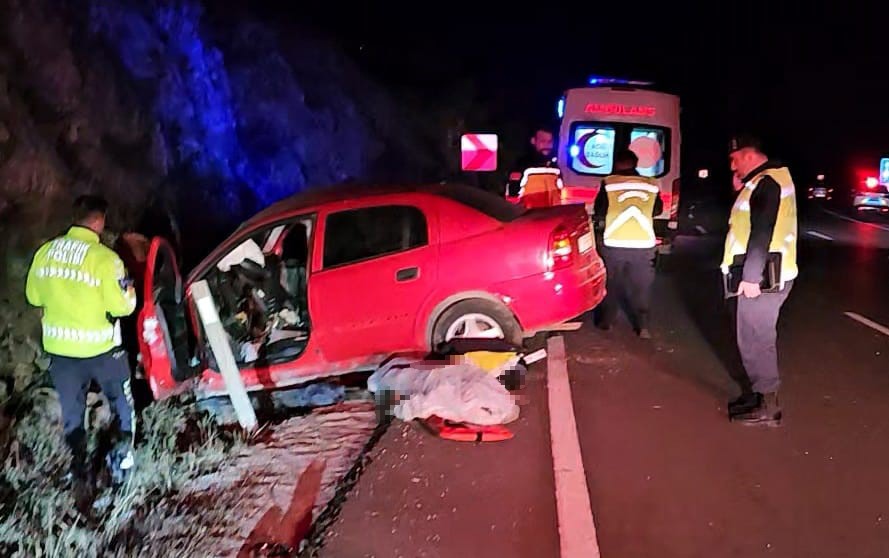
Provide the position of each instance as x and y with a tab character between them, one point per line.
561	249
871	182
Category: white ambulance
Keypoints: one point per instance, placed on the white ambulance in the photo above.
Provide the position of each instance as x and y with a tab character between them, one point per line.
609	115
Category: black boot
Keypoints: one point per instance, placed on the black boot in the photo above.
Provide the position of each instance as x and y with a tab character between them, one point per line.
642	324
748	401
79	479
767	414
76	441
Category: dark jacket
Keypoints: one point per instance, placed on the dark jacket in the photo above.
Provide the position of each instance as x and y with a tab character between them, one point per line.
763	214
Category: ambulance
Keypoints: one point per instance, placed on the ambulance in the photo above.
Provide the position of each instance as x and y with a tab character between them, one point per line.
607	116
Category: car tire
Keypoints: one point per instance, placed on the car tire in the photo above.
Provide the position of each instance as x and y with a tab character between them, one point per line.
482	312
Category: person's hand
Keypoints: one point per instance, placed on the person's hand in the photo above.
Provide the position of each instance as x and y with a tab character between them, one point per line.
749	290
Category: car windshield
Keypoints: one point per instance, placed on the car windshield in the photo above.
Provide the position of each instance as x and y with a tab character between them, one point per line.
490	204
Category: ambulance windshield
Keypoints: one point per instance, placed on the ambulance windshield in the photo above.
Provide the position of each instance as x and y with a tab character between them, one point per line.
593	144
649	144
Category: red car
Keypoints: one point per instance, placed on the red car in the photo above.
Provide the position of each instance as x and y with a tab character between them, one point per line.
336	280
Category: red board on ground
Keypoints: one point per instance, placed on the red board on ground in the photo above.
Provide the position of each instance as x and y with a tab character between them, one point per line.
478	152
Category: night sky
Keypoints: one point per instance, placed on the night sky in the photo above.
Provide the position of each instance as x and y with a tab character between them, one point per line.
811	79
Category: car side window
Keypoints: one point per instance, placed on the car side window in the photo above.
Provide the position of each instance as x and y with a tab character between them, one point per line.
361	234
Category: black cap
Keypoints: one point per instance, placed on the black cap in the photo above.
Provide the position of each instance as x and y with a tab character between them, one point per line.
742	142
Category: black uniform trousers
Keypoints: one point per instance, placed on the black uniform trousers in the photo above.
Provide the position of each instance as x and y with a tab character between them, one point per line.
630	278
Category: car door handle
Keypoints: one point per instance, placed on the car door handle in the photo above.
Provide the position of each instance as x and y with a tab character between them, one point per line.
407	274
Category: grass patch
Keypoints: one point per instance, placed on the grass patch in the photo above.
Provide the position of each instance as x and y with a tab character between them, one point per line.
150	515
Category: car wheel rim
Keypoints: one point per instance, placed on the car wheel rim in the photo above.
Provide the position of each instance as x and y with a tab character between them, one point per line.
474	326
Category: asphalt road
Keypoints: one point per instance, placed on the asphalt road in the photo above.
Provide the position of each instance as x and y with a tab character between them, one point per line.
670	476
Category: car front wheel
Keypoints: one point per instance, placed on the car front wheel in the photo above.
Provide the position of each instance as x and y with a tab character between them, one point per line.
476	319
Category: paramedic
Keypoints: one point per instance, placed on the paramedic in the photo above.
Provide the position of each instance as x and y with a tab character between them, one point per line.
539	156
628	202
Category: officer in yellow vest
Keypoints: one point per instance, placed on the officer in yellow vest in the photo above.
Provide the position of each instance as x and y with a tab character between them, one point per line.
763	221
628	203
81	286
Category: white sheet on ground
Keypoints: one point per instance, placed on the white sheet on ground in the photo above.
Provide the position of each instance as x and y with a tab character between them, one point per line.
457	392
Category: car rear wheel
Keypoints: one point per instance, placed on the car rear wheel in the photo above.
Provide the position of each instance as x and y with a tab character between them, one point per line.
476	319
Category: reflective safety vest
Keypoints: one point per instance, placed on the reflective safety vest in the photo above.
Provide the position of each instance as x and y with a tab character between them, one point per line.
541	187
629	222
78	282
784	234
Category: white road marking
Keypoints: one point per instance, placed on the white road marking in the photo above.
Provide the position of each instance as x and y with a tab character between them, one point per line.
817	234
577	529
701	229
869	323
853	220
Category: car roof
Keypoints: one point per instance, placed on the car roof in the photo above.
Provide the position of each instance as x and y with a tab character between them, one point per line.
316	197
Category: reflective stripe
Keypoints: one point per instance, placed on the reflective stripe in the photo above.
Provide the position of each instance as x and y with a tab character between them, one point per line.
69	274
78	335
633	194
621	186
631	212
537	170
117	337
615	243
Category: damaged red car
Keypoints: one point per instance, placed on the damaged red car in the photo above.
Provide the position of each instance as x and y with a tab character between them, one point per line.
336	280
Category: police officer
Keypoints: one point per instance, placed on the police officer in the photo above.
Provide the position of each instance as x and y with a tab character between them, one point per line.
628	203
763	221
81	286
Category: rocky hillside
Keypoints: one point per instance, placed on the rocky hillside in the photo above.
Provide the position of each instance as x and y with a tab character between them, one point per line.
162	104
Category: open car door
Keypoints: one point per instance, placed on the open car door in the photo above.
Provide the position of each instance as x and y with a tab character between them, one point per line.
162	324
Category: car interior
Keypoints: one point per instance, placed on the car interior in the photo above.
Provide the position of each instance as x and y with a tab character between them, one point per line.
261	295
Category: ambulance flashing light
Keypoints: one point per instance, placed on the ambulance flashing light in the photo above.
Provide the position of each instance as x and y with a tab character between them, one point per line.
599	80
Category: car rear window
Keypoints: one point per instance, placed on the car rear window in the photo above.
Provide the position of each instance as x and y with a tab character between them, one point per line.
485	202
